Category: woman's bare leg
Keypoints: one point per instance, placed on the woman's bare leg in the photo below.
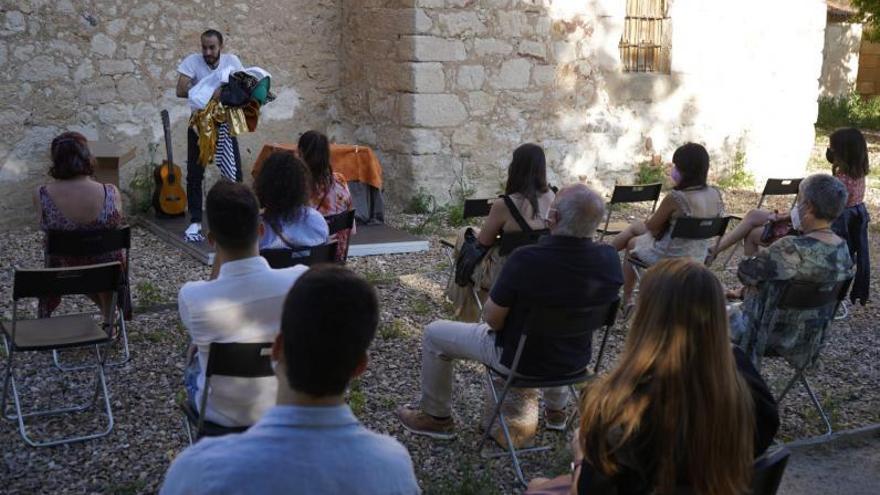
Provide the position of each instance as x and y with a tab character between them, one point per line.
633	230
629	274
753	219
752	241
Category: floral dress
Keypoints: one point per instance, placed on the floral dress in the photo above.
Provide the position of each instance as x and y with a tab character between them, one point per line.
332	200
795	335
110	217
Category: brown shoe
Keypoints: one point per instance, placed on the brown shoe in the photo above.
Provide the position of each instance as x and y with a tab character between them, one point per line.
421	423
555	420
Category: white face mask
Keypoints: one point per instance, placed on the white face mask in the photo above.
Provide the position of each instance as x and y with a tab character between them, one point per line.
796	217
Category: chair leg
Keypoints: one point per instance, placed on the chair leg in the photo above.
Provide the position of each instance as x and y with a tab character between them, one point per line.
126	353
188	429
817	404
601	349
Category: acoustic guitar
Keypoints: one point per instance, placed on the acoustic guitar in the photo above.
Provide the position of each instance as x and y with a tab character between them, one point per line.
169	198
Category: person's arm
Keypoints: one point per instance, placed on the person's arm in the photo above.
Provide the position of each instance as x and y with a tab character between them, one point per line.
498	214
494	314
184	83
779	262
659	220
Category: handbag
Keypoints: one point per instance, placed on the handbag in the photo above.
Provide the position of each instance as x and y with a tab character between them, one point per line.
470	255
775	230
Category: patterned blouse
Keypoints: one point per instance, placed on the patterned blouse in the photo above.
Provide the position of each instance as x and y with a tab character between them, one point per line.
332	200
795	335
855	188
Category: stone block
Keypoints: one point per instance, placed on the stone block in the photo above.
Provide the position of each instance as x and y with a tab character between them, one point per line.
423	22
116	26
430	49
103	45
113	67
492	46
427	78
85	70
544	75
480	103
432	110
532	49
514	74
43	68
461	23
134	50
131	88
15	21
564	52
420	141
469	135
512	23
471	77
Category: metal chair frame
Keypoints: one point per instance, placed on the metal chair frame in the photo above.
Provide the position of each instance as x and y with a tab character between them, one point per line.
768	471
547	323
241	360
636	193
86	279
339	222
797	295
283	257
86	243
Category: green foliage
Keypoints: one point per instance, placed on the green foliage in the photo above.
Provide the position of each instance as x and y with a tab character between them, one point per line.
870	16
738	177
421	203
378	277
649	173
395	329
420	307
357	400
140	187
148	294
852	110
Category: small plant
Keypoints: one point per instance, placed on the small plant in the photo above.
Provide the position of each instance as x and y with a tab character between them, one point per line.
395	329
420	307
421	203
140	187
148	294
852	110
378	277
357	400
650	173
737	177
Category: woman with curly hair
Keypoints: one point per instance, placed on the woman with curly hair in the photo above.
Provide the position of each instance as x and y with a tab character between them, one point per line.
283	190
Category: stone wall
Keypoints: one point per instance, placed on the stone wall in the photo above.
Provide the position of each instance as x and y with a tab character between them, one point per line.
107	67
840	64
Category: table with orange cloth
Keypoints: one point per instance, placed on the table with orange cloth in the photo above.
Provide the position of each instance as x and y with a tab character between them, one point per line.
358	164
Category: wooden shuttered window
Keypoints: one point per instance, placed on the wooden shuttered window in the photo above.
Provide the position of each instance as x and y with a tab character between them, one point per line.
646	41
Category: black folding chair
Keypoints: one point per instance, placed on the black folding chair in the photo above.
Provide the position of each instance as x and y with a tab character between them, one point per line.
68	331
92	243
478	207
773	187
769	469
510	241
692	228
801	296
547	323
285	258
339	222
637	193
250	360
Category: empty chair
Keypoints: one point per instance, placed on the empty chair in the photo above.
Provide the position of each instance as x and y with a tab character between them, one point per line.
636	193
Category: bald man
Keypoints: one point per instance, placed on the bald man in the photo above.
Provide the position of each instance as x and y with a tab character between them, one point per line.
564	269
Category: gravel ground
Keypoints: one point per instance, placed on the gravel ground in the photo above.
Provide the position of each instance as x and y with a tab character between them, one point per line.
148	432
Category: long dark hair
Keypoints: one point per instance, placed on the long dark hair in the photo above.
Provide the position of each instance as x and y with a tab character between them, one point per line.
848	144
282	188
315	151
527	174
70	156
692	161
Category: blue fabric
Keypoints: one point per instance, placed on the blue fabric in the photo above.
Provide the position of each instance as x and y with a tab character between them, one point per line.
191	381
852	226
295	449
307	229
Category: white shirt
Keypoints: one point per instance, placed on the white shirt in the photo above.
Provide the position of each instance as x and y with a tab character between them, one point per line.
242	305
195	67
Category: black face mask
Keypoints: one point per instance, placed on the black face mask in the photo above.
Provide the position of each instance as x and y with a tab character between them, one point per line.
829	155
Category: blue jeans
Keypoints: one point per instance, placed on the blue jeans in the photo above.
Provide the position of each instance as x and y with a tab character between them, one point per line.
191	381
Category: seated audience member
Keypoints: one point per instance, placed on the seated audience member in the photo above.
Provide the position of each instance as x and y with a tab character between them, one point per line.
329	191
563	269
288	221
530	198
816	255
74	201
310	442
652	241
243	304
848	156
682	408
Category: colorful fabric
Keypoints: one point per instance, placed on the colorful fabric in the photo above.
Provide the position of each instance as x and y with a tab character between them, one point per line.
206	124
332	200
224	156
52	218
757	327
854	187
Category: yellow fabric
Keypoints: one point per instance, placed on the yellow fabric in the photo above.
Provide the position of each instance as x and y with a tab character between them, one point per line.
204	122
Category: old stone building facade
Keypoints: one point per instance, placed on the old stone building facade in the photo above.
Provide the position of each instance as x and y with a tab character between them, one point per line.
442	89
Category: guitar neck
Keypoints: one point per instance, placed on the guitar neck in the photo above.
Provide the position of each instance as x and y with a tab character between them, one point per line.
166	124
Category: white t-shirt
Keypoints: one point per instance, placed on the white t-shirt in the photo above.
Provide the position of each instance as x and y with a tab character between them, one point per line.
242	305
195	67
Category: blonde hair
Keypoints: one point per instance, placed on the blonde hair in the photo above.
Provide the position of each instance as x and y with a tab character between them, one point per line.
677	386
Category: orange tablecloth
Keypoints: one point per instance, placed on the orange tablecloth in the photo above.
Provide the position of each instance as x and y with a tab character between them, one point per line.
354	162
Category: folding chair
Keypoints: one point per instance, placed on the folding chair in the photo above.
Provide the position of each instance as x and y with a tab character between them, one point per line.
339	222
637	193
91	243
797	295
773	187
769	469
286	257
547	323
251	360
59	332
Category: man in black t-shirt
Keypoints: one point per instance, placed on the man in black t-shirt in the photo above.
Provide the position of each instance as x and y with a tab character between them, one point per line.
564	269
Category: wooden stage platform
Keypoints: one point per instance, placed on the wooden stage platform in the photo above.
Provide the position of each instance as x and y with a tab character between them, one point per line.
370	240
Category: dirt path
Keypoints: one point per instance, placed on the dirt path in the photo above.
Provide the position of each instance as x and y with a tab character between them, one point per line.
851	467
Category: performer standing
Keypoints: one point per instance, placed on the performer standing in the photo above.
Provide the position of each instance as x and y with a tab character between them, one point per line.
192	69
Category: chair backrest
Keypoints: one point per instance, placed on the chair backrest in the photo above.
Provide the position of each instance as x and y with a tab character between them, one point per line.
340	221
85	279
87	243
475	208
561	322
768	472
287	257
781	187
513	240
636	193
699	228
797	294
252	360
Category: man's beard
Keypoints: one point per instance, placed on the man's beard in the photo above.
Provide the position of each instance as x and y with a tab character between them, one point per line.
211	61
